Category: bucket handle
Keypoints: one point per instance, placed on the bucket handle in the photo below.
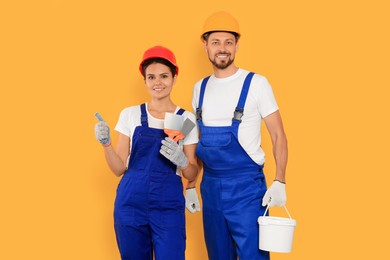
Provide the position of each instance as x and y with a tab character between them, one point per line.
288	213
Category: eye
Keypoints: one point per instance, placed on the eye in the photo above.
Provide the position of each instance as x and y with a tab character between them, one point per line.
150	77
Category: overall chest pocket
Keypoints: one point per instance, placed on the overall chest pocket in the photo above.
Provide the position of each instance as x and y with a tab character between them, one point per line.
142	151
216	139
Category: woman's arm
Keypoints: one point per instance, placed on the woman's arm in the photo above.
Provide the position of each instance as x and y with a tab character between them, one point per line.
191	171
116	160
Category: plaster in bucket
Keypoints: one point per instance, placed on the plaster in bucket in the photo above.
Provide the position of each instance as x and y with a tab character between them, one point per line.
275	233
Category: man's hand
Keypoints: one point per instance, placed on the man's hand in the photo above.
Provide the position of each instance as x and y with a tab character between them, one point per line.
192	201
275	195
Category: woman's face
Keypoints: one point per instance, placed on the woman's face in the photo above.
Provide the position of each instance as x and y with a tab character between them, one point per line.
159	80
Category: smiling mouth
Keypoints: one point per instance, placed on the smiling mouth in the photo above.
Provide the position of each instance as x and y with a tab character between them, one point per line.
222	55
159	89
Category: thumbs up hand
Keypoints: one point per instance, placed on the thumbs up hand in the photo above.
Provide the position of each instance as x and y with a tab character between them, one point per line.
102	131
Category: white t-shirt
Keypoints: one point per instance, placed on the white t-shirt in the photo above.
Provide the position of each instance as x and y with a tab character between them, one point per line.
220	101
130	118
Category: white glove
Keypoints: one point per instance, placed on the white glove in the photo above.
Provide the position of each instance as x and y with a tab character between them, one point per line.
174	152
192	201
102	130
275	195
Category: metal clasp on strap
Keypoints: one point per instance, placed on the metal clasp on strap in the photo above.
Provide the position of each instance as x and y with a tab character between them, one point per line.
198	114
144	119
238	113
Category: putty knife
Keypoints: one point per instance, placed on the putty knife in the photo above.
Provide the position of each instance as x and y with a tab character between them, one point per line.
172	126
188	125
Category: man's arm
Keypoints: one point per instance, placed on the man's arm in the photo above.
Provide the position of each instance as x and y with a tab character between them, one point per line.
279	143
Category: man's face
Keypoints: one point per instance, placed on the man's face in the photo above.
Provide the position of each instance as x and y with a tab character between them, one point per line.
221	48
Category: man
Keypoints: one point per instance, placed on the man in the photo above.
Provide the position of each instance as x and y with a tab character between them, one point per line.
230	106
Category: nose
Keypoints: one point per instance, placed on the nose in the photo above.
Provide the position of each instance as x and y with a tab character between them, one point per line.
222	47
157	81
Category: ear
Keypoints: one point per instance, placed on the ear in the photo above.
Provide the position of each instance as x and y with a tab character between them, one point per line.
174	80
237	45
205	45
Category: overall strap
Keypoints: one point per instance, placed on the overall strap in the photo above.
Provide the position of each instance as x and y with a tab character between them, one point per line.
201	95
144	115
180	111
239	112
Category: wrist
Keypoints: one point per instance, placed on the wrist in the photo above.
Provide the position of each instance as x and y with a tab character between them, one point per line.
185	167
191	184
106	145
283	182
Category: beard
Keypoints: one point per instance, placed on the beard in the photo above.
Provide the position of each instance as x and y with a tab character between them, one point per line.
223	64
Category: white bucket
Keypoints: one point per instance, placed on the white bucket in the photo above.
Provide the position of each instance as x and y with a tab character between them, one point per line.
276	234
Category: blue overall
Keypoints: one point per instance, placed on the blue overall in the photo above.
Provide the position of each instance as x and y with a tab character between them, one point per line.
149	207
232	188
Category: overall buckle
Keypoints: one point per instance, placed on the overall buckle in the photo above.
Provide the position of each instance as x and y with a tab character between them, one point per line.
238	113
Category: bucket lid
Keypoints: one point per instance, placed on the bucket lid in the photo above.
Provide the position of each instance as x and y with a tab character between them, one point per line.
276	221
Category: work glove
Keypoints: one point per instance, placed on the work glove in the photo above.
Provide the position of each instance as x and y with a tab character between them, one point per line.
102	130
192	201
275	195
174	152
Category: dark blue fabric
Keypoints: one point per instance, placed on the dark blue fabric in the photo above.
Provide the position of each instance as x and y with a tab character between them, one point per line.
149	207
232	189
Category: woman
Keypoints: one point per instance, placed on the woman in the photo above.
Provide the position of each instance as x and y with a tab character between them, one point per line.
149	207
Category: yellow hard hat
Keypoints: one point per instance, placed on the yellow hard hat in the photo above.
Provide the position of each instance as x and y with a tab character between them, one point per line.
220	22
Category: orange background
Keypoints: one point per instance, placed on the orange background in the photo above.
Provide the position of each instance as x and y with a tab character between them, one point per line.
328	63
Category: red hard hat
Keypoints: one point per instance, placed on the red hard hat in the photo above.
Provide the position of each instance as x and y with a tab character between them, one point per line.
159	52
